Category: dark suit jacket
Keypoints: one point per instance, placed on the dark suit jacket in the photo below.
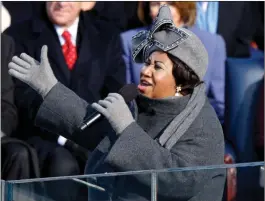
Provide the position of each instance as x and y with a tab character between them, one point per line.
238	23
122	14
9	118
22	10
215	74
99	68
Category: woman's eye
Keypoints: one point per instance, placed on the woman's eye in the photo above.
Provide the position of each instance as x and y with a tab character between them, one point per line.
157	67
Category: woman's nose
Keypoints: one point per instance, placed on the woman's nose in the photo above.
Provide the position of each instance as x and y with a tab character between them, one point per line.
147	71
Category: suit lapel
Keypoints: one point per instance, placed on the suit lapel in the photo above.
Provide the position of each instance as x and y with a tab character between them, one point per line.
48	37
87	44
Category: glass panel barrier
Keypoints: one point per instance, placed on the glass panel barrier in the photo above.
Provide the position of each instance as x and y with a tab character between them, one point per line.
240	182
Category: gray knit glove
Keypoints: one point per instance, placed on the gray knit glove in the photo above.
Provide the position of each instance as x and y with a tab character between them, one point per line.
114	108
37	75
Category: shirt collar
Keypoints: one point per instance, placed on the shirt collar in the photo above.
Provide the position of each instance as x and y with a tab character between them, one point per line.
72	30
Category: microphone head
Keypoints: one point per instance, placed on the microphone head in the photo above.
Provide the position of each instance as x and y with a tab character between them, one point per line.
128	92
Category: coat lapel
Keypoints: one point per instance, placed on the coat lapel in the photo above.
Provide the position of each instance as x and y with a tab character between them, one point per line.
87	45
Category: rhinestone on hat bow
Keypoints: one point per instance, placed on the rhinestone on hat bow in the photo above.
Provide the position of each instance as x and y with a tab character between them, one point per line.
163	34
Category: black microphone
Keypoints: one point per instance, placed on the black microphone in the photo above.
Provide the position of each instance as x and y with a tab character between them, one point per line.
77	150
74	148
128	92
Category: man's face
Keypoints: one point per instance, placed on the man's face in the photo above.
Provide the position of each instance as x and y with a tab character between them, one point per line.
63	13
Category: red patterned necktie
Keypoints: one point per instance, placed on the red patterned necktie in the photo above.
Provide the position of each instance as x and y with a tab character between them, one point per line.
69	50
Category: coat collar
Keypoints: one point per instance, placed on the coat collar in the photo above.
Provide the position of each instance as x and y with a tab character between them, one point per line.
169	106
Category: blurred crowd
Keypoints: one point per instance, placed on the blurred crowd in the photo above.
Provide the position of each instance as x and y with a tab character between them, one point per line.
89	49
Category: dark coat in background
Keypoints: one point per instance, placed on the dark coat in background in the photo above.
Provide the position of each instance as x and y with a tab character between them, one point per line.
259	35
137	149
19	160
123	14
98	71
238	23
22	10
9	116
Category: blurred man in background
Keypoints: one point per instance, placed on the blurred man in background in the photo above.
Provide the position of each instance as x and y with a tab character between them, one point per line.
239	23
19	160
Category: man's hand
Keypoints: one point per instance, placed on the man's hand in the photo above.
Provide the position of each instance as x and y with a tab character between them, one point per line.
37	75
116	111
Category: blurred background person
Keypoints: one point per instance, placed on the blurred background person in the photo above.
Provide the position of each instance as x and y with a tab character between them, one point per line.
123	14
19	160
184	15
113	12
14	157
239	23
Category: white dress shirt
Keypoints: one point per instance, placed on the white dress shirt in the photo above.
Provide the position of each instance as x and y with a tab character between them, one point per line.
72	30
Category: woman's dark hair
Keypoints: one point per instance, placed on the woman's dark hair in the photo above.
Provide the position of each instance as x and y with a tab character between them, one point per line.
184	76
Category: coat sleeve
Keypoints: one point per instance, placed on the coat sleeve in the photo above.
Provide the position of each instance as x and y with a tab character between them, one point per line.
217	85
136	150
62	111
9	117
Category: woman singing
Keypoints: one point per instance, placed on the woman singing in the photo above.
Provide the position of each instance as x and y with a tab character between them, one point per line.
173	124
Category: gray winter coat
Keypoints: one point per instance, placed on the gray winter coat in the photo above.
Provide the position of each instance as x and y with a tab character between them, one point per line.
62	112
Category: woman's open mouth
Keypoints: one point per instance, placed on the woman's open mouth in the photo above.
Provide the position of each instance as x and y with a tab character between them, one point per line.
143	85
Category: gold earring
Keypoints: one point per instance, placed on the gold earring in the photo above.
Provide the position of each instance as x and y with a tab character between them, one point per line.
178	90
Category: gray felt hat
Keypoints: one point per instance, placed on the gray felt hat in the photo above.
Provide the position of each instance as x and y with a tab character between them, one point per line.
166	37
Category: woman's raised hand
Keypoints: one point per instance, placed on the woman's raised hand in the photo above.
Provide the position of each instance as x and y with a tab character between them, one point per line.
37	75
